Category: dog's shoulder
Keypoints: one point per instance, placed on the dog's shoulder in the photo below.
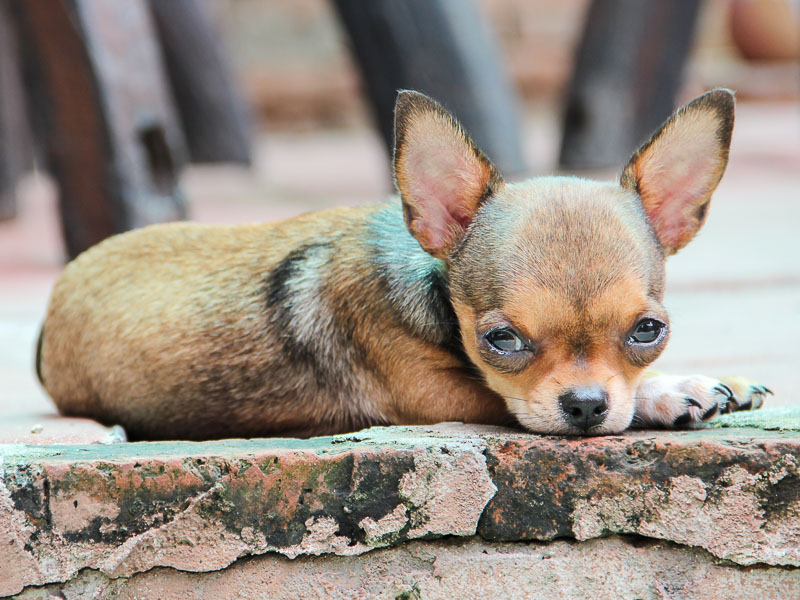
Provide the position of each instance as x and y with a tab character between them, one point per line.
414	283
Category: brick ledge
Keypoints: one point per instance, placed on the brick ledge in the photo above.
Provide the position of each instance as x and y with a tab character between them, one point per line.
127	508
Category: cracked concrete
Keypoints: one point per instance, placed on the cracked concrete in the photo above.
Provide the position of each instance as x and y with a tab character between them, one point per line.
198	507
96	515
609	568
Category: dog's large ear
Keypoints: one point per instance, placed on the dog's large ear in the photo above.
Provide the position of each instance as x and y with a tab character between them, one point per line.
676	172
442	176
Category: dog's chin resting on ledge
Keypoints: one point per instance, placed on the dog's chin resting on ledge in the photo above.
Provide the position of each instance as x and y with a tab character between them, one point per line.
466	298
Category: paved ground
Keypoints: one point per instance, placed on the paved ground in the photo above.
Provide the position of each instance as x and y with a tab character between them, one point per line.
734	293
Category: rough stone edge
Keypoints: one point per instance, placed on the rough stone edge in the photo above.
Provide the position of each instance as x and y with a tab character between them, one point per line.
722	516
434	568
476	439
422	490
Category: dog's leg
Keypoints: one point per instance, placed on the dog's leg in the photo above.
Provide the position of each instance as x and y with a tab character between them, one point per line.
683	400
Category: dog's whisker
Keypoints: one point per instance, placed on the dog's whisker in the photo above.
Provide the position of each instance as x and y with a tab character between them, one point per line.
515	398
454	322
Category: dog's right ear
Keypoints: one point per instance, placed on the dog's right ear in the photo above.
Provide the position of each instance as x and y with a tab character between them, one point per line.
676	172
442	176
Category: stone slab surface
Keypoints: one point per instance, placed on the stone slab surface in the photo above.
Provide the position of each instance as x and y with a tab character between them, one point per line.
612	568
50	428
731	494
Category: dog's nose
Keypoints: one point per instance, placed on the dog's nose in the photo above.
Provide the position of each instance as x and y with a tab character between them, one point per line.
584	407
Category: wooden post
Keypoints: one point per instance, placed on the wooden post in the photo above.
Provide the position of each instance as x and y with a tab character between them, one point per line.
628	71
16	151
441	48
107	124
214	116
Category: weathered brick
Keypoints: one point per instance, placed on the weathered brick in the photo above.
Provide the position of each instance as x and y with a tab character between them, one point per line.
734	492
125	509
197	507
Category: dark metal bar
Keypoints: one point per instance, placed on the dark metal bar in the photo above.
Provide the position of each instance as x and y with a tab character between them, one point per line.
628	71
105	117
441	48
16	150
214	116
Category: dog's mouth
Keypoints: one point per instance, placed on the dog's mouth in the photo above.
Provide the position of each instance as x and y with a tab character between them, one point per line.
568	430
551	419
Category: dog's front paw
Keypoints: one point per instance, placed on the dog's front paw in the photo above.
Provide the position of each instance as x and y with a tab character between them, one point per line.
680	400
746	394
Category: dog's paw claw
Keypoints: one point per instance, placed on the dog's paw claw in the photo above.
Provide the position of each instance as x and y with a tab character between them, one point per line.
692	402
689	416
680	401
710	412
747	395
724	390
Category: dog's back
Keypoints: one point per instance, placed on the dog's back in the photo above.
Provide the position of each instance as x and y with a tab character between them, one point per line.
190	313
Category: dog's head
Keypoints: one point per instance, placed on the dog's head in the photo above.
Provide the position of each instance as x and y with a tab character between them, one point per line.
558	282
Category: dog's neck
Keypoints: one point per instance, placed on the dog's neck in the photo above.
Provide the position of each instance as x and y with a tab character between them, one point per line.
414	282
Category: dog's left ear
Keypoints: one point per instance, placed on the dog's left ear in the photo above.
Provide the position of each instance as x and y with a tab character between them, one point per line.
676	172
442	176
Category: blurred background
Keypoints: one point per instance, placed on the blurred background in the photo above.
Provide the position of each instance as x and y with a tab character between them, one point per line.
115	115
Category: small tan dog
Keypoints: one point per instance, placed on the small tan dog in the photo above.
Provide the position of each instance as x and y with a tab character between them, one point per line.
466	299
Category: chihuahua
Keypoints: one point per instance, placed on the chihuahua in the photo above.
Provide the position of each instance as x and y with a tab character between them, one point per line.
465	299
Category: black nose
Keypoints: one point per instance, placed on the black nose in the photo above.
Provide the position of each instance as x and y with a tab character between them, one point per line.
584	407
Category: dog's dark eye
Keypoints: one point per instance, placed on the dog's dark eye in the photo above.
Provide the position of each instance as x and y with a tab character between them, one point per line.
647	331
505	340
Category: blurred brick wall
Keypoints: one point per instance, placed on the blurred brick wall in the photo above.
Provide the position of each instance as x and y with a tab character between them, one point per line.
294	64
293	59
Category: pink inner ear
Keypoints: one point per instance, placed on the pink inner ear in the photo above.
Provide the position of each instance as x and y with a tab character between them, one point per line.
677	174
675	200
442	180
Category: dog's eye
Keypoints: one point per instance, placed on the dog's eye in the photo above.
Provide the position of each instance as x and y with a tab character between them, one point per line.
505	340
647	331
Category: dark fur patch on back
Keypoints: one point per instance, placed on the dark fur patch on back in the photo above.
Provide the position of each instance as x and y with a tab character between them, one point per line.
277	290
279	296
312	328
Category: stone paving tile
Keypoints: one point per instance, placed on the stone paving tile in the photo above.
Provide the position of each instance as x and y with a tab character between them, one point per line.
46	428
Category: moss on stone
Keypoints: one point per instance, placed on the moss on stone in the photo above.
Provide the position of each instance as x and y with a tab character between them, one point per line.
768	419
